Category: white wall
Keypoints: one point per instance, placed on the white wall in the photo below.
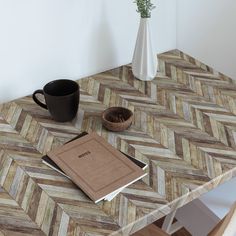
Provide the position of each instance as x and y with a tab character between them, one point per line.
49	39
206	29
221	199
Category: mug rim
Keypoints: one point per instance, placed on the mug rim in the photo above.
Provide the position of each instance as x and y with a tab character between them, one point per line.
61	80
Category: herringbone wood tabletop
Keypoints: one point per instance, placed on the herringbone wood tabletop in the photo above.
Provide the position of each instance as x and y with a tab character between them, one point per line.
184	128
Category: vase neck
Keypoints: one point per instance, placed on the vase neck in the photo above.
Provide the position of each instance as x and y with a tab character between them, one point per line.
144	19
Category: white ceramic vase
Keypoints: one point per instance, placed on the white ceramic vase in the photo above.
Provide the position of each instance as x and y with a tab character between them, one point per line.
144	63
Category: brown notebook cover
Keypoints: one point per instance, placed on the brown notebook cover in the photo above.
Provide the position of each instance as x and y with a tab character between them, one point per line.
95	166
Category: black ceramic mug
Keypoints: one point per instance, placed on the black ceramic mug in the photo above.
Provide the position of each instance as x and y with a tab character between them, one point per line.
61	97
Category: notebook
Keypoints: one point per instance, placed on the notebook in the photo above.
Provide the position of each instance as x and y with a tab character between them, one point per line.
47	161
95	166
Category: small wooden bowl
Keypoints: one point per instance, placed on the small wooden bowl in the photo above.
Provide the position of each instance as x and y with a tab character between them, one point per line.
117	118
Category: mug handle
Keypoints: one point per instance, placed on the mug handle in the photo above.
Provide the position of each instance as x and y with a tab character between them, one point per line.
36	99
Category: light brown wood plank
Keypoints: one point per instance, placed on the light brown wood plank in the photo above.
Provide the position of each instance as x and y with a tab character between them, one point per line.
151	230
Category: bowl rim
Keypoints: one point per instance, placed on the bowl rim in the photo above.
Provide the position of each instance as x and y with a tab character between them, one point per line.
105	112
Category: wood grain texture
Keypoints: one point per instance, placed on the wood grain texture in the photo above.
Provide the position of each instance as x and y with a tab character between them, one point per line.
151	230
184	127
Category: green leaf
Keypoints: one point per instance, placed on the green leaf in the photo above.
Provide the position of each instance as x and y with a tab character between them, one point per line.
144	7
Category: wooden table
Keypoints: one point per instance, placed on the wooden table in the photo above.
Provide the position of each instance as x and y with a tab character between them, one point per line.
184	128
